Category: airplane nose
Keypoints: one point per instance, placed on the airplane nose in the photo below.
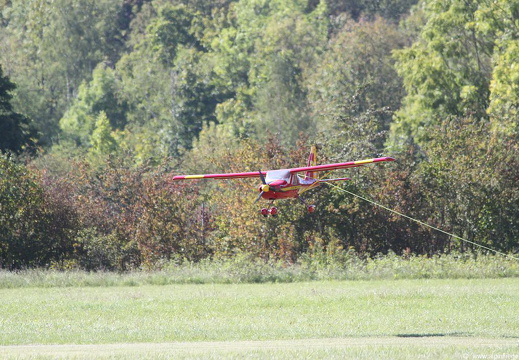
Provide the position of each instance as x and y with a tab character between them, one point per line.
265	188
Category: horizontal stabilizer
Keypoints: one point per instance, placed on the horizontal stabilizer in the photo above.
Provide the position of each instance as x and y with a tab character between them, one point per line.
330	180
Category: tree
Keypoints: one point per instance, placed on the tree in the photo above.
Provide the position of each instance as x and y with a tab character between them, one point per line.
446	71
170	29
263	56
102	141
280	105
470	181
391	10
36	229
357	75
166	82
500	20
15	129
100	95
132	215
50	47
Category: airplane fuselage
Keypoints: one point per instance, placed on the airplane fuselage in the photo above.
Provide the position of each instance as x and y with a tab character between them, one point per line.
281	184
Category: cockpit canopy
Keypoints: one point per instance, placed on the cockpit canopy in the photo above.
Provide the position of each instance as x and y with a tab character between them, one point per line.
278	175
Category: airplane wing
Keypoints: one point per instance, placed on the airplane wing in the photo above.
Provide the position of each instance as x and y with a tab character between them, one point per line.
221	176
350	164
256	174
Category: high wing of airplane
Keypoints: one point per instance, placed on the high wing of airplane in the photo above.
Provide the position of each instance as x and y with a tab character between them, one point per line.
288	183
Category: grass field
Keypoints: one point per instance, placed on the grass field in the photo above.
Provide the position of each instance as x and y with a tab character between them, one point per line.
431	319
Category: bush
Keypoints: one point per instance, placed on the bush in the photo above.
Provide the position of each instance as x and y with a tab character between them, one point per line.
35	229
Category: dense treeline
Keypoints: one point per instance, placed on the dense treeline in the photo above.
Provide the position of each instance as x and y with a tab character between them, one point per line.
102	101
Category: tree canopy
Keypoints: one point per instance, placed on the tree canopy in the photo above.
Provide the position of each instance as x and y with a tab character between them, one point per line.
110	98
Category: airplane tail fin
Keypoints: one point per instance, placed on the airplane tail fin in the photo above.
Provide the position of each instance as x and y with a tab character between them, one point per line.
312	161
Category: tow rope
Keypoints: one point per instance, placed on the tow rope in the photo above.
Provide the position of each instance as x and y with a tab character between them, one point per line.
423	223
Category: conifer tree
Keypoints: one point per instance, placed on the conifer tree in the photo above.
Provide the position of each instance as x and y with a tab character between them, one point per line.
15	131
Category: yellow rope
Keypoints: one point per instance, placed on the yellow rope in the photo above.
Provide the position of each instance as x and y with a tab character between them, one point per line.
423	223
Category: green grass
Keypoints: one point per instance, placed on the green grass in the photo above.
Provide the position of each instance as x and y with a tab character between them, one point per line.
348	348
440	318
248	269
340	306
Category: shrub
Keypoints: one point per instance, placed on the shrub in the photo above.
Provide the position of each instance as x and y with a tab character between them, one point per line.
35	228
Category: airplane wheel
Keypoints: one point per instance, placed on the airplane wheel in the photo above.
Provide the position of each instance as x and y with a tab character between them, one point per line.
264	212
273	211
311	208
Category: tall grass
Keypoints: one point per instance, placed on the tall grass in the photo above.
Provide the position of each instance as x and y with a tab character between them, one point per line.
247	269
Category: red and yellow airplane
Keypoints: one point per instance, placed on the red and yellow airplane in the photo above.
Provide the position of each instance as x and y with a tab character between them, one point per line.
286	183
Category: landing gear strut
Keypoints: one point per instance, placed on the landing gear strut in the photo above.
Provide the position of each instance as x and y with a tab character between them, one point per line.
310	208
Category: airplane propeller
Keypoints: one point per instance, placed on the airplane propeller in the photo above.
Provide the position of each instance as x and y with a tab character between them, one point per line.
262	178
264	188
259	197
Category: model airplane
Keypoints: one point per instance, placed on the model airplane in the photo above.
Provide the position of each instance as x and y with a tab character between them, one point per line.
286	183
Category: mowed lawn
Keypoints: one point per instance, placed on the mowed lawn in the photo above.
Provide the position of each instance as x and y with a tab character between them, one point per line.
326	319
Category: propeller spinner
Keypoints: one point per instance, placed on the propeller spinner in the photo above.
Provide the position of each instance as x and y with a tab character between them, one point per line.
263	188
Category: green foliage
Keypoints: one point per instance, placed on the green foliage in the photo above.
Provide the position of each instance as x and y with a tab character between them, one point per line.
102	141
99	96
15	129
356	75
168	81
459	66
280	104
499	20
446	72
389	9
170	29
128	92
35	228
318	265
263	56
469	165
137	212
20	201
51	47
